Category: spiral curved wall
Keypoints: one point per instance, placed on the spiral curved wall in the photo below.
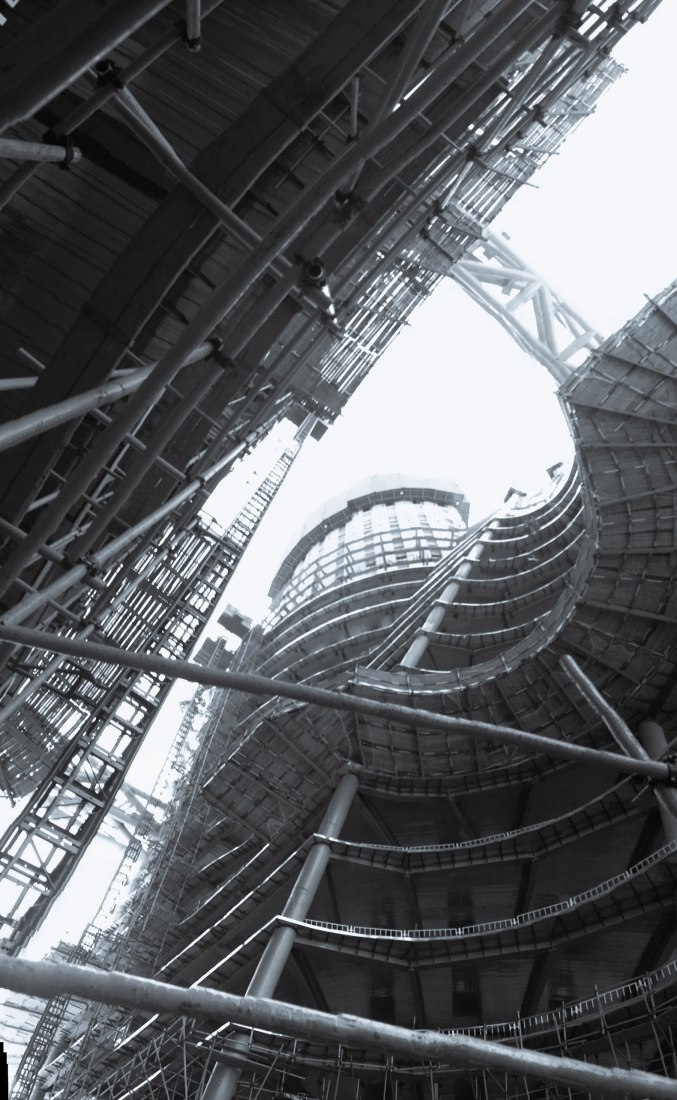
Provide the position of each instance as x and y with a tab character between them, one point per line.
473	885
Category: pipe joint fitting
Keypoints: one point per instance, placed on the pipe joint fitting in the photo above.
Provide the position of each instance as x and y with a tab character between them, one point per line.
66	142
222	360
93	567
216	342
71	153
671	761
108	72
314	273
346	204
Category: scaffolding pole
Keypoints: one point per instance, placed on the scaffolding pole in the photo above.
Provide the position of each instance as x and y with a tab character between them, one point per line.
224	1080
408	716
625	738
45	979
52	416
51	54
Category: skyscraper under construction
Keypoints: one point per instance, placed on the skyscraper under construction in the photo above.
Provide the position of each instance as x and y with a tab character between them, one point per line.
451	841
458	865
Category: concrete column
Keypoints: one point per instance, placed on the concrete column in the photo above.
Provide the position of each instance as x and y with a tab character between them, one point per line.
224	1079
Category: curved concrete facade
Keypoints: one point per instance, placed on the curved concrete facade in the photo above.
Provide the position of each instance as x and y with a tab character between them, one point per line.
328	163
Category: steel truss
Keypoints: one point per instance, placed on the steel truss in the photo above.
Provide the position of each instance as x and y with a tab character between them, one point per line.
345	177
160	603
101	941
508	289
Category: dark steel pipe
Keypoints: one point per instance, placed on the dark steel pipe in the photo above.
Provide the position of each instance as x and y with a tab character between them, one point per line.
623	736
124	490
57	49
262	685
424	27
193	24
127	75
15	533
653	740
141	124
114	549
266	304
89	107
48	979
419	646
231	291
619	729
41	420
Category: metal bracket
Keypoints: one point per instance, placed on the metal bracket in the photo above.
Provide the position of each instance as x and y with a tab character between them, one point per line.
94	569
672	771
108	72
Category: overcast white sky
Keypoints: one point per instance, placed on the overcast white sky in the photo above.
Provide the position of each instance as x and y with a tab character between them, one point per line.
454	394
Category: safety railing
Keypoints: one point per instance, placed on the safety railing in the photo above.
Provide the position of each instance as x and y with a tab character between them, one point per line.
532	916
575	1011
629	784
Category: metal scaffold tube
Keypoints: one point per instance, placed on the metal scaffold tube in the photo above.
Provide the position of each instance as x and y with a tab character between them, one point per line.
124	490
425	24
263	685
223	1082
118	546
419	646
650	732
59	47
205	558
43	420
88	107
343	136
45	979
227	296
15	149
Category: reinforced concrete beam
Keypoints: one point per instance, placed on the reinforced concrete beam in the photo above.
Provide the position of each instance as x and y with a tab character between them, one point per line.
46	979
263	685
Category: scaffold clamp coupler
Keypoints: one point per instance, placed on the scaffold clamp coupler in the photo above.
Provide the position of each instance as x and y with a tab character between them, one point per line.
222	360
194	43
108	72
671	762
346	205
67	142
92	566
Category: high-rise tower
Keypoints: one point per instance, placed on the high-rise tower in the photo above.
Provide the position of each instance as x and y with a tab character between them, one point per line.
215	215
213	218
488	863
